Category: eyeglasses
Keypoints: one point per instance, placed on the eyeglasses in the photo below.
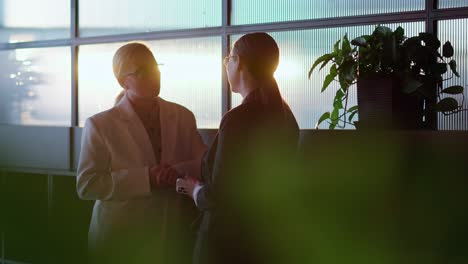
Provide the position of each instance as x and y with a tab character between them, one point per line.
145	72
227	58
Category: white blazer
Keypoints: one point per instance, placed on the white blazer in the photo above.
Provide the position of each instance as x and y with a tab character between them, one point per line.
116	154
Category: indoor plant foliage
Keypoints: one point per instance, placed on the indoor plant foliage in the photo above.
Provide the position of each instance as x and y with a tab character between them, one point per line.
414	64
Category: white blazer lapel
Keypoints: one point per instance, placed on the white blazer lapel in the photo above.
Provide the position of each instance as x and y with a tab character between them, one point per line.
137	131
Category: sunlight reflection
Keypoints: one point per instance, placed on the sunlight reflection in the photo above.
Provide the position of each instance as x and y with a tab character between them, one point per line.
190	76
36	86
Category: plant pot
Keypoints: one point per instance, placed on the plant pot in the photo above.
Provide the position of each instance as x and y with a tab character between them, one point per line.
382	105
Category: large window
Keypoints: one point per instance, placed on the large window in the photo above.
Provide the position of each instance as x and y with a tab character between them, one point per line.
56	55
56	71
27	20
455	32
107	17
264	11
35	86
298	49
452	3
190	76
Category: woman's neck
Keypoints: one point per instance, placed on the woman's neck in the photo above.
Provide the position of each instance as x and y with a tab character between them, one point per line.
140	101
246	86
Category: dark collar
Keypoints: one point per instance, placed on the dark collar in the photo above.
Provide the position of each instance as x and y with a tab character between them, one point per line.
252	97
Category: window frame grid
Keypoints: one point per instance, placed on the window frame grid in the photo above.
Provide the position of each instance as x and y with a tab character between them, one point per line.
430	15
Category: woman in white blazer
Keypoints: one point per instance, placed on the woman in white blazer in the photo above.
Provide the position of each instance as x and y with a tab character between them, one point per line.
130	170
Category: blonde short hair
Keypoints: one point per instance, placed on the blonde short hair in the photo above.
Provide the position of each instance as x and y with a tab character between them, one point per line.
129	58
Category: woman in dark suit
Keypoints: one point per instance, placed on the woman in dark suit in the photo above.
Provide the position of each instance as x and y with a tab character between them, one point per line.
263	123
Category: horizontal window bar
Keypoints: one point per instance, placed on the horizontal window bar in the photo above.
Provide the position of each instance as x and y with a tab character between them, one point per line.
439	14
36	44
157	35
450	13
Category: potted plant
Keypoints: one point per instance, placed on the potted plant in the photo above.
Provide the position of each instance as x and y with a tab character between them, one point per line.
399	80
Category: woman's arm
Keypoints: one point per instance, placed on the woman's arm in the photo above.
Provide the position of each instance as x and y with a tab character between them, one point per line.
96	181
229	142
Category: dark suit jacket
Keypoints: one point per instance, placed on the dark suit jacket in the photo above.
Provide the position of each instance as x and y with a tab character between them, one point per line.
248	133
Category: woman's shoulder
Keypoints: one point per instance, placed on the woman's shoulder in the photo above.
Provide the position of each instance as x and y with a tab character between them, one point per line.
234	117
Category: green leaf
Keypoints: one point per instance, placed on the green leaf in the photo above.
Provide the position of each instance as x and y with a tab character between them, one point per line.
346	47
325	63
453	67
446	105
382	30
324	117
439	68
334	114
336	47
430	40
411	86
399	34
453	90
353	109
324	58
339	94
339	59
338	100
329	78
333	69
344	85
351	116
412	42
360	42
348	73
447	50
